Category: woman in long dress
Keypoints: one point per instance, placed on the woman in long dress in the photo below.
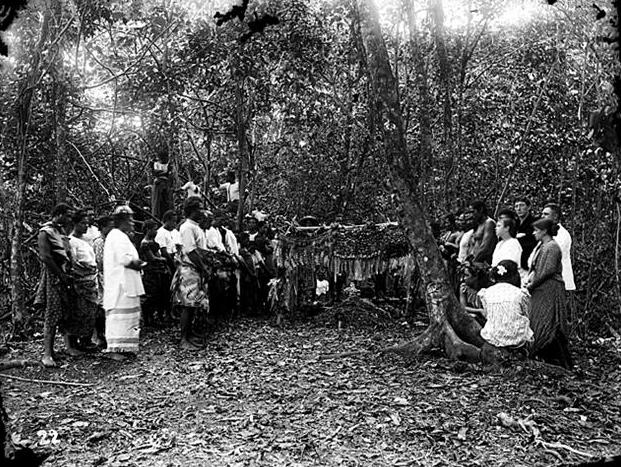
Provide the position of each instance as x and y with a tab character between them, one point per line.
548	316
122	287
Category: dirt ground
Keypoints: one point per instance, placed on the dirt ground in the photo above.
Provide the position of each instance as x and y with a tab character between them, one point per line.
262	395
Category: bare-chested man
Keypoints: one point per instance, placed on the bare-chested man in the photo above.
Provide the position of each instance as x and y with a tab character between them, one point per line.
483	239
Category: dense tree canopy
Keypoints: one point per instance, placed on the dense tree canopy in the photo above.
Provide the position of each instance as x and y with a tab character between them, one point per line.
496	99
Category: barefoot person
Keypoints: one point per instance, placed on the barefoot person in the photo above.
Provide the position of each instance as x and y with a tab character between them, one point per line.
80	321
53	289
190	284
122	287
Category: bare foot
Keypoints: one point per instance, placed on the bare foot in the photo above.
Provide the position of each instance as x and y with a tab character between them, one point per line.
48	362
189	345
119	357
74	352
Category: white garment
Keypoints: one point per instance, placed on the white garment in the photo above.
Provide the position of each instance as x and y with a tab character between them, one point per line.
192	189
91	234
509	249
214	239
322	288
563	238
230	242
159	166
506	308
168	239
192	237
120	282
259	215
82	251
464	243
232	191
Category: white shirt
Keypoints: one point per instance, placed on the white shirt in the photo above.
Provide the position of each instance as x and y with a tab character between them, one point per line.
120	281
231	242
192	237
464	243
192	189
506	308
214	239
509	249
168	239
563	238
232	191
91	234
82	251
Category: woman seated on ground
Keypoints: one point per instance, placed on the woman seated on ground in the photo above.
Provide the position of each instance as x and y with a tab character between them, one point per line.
122	287
548	315
505	308
80	322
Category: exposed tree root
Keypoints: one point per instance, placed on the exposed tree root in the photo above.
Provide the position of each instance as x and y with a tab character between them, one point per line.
422	343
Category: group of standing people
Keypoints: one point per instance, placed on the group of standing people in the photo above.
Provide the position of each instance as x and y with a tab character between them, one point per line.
98	280
78	258
514	274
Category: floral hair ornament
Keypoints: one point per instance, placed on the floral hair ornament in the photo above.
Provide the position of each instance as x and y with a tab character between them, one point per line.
501	270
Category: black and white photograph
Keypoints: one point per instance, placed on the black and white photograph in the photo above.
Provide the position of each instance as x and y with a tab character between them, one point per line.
294	233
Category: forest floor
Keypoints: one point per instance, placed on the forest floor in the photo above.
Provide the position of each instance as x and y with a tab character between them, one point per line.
263	395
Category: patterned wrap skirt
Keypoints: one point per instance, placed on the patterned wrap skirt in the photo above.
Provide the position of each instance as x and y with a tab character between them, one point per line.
53	298
189	288
80	319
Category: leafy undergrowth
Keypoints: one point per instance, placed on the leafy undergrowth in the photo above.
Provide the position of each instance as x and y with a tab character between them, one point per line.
261	395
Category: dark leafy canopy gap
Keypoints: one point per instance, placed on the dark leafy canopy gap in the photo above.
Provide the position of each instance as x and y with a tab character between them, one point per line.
256	25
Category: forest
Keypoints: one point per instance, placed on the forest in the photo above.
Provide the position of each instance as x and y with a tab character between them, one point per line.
354	112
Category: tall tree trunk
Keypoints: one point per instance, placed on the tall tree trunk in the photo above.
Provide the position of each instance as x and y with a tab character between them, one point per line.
242	147
60	108
444	66
60	122
425	156
449	323
23	110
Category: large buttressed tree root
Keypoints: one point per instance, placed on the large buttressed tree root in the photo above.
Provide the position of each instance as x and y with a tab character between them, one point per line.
451	328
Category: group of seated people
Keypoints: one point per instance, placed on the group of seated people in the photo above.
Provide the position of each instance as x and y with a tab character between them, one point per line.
514	275
101	278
